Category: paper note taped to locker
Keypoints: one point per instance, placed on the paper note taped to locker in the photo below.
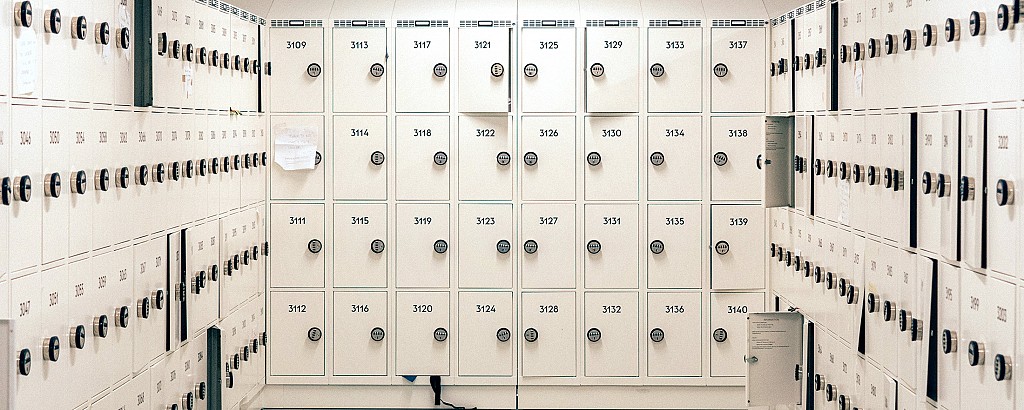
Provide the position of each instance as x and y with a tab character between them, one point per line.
26	63
295	147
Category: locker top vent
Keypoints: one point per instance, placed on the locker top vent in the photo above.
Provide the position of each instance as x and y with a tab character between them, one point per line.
358	23
738	23
674	23
296	23
611	23
549	23
422	23
486	23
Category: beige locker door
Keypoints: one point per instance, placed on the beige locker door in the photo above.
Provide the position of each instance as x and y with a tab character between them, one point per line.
672	318
612	59
298	56
486	334
300	247
549	334
27	303
422	333
1004	173
728	330
737	247
548	72
423	245
421	69
361	245
952	139
361	334
484	69
150	308
26	177
741	52
611	147
297	325
54	188
929	166
548	246
736	158
674	250
674	69
361	157
485	246
5	171
485	158
674	167
951	347
423	157
987	340
53	322
610	242
610	333
548	148
293	184
971	190
360	68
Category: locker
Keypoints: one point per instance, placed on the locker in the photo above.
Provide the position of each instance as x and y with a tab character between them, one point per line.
948	343
1002	175
151	301
360	245
299	245
422	247
360	68
548	168
203	275
55	186
83	343
950	211
995	42
851	54
484	61
882	303
861	134
675	68
361	333
912	317
56	47
6	45
6	141
803	172
422	333
298	56
611	329
737	58
28	302
548	235
485	246
728	313
422	156
674	170
549	334
486	345
612	60
360	157
848	257
611	236
27	50
737	246
972	199
671	318
133	394
780	83
298	183
895	181
297	326
548	74
26	206
674	252
611	147
421	68
123	59
929	165
485	158
987	320
53	319
736	156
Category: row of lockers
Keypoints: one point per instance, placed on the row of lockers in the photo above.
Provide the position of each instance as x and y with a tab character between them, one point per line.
546	157
100	171
476	246
943	332
546	60
475	334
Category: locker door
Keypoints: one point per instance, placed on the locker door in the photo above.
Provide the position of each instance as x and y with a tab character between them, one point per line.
81	306
737	247
931	193
360	245
297	326
674	60
361	333
881	303
298	56
737	61
26	67
360	68
612	59
611	149
610	328
123	63
27	301
421	68
548	56
548	168
728	330
422	246
26	204
948	343
549	334
295	183
485	245
802	172
671	320
5	173
53	318
610	235
736	156
56	47
297	231
360	157
674	170
486	331
971	192
894	189
987	320
484	57
548	246
674	251
151	301
485	158
115	284
950	177
423	153
1003	174
203	254
422	333
55	185
6	45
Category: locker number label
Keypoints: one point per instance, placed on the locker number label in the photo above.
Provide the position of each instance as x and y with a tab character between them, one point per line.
549	45
548	308
422	308
360	309
421	44
611	309
738	44
738	221
296	308
295	44
613	44
674	309
486	309
737	309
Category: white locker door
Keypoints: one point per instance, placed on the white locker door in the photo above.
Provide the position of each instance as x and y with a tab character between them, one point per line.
729	330
300	247
987	318
610	332
548	58
298	59
360	245
360	333
672	319
610	245
26	67
5	172
612	62
421	69
549	334
422	157
611	148
28	302
548	146
6	45
736	147
55	294
149	319
484	69
486	334
674	68
423	246
1003	175
737	247
485	246
972	184
802	171
360	157
360	69
26	202
485	158
203	255
55	185
548	246
674	251
929	166
736	66
297	325
422	333
949	181
674	166
292	183
948	342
